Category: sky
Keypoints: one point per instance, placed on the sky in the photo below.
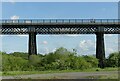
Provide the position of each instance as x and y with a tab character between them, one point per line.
59	0
85	44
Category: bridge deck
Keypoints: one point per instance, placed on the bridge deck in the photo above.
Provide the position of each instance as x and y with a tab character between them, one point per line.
61	21
60	26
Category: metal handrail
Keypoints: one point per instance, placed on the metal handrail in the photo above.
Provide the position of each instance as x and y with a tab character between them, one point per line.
62	21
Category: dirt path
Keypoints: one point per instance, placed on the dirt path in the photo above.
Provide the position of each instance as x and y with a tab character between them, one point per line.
70	75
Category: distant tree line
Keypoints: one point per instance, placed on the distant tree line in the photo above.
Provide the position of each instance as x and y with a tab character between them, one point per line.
61	59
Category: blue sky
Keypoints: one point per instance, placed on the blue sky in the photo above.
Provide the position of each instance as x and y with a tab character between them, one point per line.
85	44
59	0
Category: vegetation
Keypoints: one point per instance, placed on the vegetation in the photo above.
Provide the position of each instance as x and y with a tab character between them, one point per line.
61	59
113	60
12	73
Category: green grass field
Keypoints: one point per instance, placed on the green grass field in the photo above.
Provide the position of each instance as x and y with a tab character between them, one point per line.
12	73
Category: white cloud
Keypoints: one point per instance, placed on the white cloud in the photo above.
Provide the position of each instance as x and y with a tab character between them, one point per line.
110	50
63	35
72	35
54	50
86	47
86	44
108	35
83	44
12	51
22	35
44	50
13	35
44	42
1	35
14	17
12	1
6	35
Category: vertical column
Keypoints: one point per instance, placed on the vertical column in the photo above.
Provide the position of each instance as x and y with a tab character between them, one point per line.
100	49
32	44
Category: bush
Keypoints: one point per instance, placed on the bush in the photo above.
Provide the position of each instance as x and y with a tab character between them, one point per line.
92	60
112	60
61	59
34	60
11	63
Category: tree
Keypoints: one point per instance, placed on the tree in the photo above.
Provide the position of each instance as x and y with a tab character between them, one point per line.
12	63
112	60
92	60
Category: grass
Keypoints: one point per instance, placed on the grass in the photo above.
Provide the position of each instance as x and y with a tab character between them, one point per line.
112	76
12	73
0	73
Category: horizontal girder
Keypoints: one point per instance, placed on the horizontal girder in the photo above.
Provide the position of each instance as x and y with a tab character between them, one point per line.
60	21
64	27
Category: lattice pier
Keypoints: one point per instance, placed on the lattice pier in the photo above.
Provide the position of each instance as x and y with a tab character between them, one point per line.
100	49
32	44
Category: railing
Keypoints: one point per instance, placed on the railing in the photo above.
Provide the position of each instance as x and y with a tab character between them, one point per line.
61	21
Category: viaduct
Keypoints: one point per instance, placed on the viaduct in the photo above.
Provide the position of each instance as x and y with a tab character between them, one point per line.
32	27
